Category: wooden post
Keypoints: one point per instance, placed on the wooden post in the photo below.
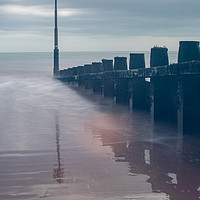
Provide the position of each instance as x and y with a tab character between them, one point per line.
152	102
159	85
180	107
138	92
188	51
122	84
108	84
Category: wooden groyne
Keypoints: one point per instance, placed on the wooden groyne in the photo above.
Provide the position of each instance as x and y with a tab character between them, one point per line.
172	92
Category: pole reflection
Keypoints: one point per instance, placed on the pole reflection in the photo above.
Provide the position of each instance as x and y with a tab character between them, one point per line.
171	162
58	172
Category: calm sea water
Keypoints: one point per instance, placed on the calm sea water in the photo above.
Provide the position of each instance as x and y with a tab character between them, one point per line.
63	143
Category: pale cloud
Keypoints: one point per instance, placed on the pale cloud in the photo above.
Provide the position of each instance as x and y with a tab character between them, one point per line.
98	25
36	11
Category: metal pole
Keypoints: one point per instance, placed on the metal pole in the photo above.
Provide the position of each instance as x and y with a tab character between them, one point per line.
56	50
56	24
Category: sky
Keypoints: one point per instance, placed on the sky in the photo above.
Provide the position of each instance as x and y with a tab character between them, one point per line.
98	25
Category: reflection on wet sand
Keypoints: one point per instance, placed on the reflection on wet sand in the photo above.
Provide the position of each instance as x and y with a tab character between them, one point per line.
59	171
170	161
124	157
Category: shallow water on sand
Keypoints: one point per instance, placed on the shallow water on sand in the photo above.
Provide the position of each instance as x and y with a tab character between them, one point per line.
59	142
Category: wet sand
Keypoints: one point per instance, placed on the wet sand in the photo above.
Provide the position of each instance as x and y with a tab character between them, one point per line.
60	143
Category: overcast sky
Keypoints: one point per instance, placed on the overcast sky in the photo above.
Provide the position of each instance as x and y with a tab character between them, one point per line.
86	25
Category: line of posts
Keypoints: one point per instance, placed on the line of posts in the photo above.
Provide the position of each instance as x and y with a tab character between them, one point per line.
173	98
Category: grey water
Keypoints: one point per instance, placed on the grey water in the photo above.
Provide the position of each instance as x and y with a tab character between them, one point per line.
58	142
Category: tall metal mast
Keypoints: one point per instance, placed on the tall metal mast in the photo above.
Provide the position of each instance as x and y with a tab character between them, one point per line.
56	50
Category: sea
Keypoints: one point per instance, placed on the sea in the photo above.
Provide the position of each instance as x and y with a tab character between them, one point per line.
60	142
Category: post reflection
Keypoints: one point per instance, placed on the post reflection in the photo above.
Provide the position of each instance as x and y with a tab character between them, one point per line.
58	172
171	162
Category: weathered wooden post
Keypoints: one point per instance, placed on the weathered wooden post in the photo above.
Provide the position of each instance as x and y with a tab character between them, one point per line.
120	63
189	112
96	67
97	83
107	65
70	73
159	56
64	74
122	84
87	71
191	107
188	51
80	73
87	68
137	61
74	73
159	86
152	103
180	105
80	70
108	84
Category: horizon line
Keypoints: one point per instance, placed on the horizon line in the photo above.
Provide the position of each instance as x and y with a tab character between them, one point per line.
78	51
